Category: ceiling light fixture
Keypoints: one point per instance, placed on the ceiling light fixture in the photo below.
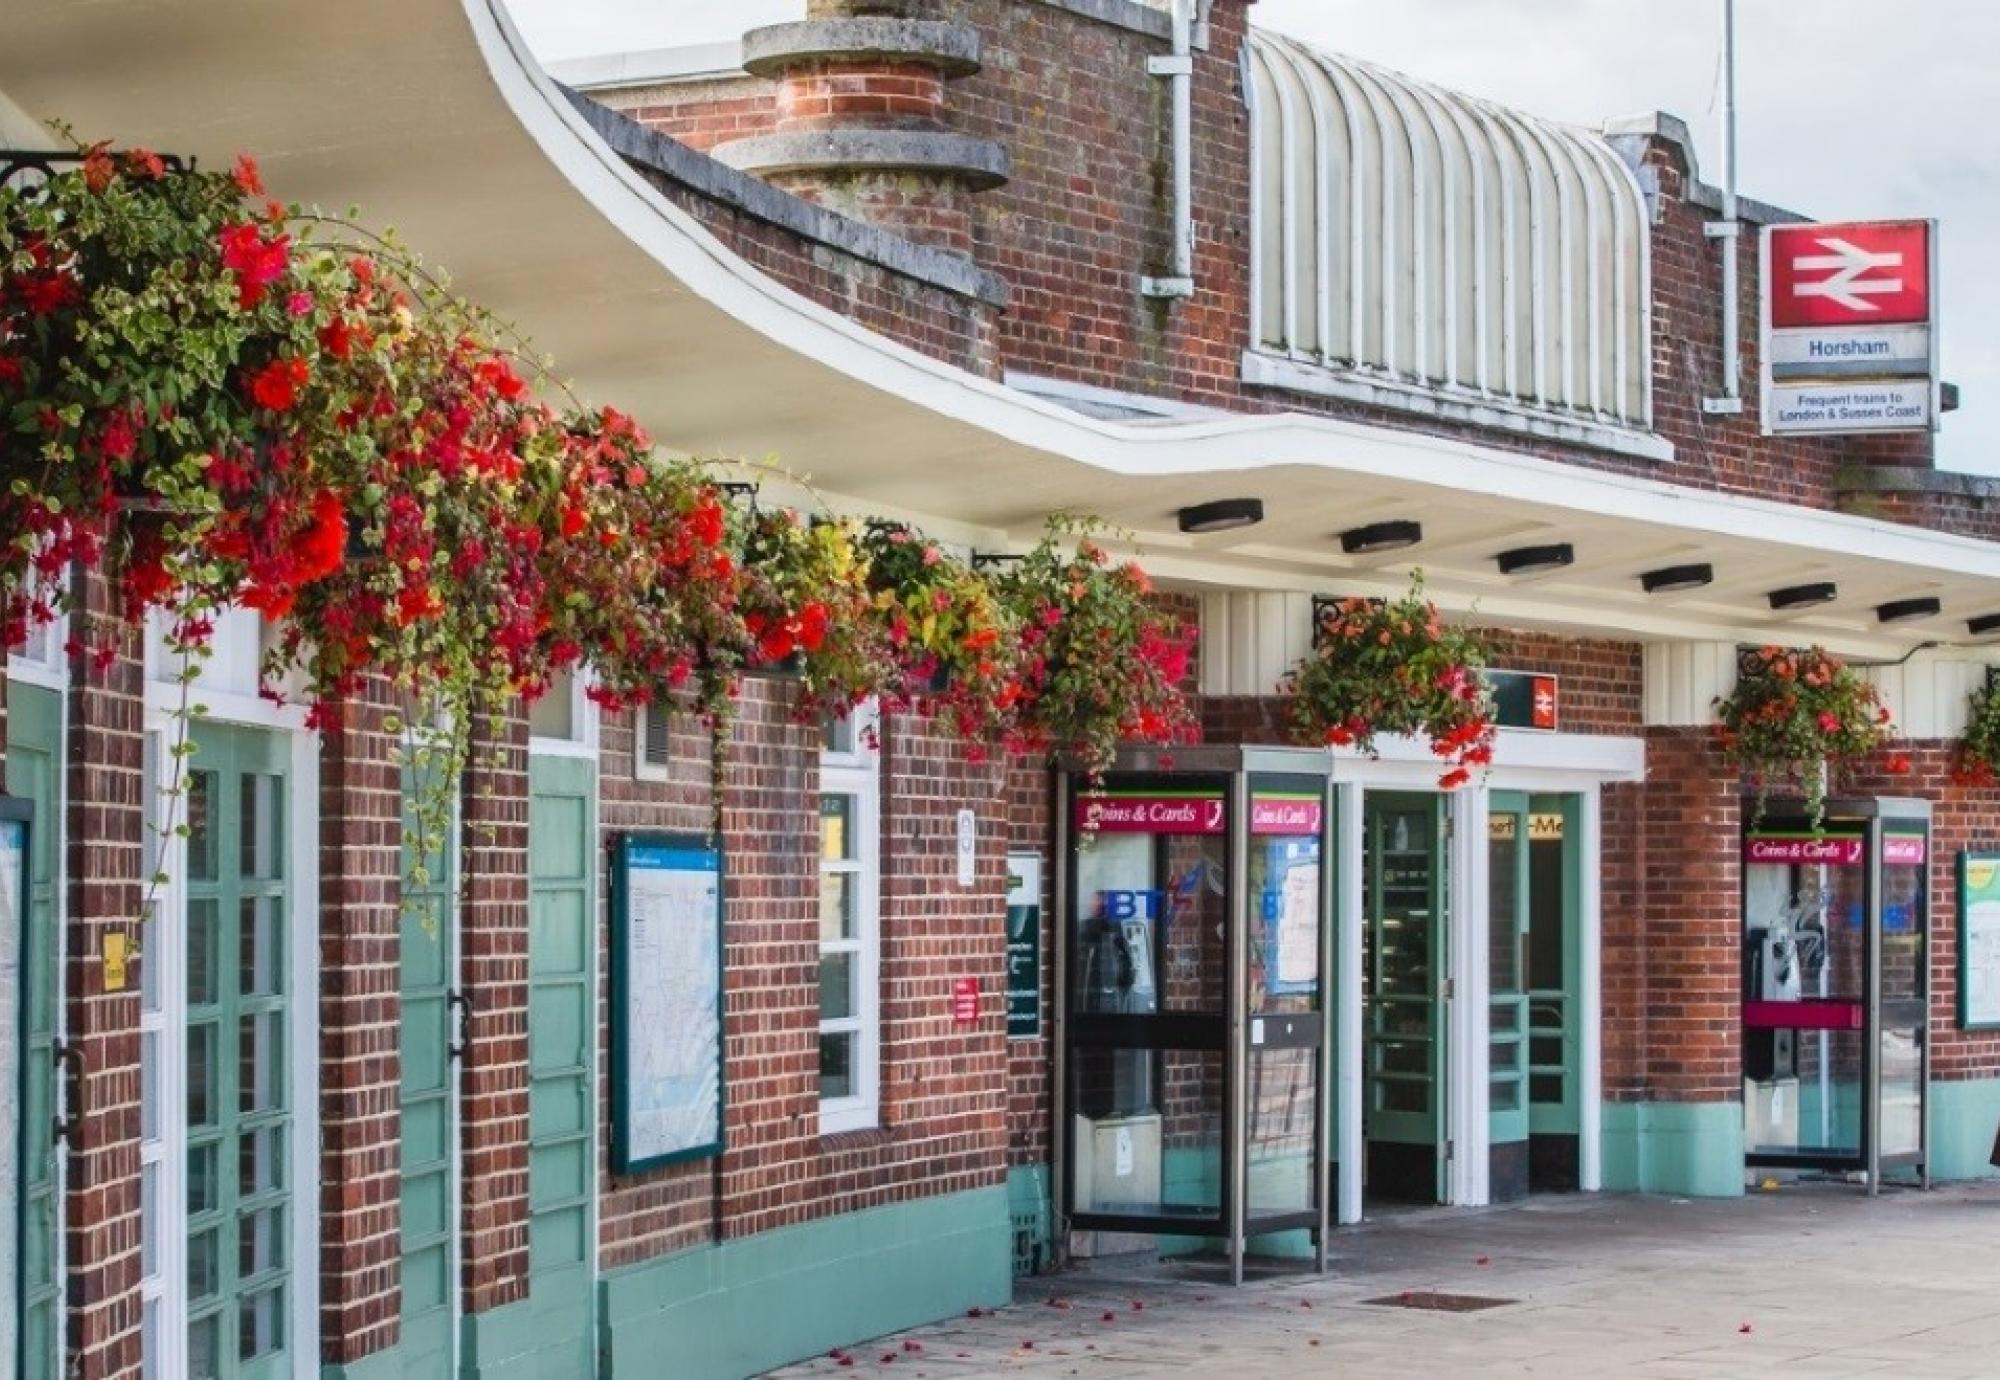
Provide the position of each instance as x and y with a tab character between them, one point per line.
1223	515
1533	560
1906	610
1804	596
1983	625
1378	537
1673	579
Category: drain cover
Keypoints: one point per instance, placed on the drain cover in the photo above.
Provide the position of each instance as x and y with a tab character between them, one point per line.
1439	1303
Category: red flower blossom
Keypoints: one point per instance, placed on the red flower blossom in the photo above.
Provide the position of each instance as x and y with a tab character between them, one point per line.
276	385
247	175
256	261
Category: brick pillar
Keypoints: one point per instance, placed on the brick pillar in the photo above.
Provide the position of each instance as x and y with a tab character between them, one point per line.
862	118
1692	1029
106	829
360	861
770	826
493	935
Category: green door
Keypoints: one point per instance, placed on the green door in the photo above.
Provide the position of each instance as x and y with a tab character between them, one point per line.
239	1115
1507	890
1555	961
562	1039
1404	889
34	773
429	1123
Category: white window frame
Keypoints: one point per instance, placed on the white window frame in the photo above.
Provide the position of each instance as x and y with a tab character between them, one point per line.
855	770
582	741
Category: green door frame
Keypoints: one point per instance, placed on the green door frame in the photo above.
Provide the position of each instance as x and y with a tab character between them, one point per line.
428	1099
1507	916
238	1018
562	1064
1555	1013
1406	1030
34	772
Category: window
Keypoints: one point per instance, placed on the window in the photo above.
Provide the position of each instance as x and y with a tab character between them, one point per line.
563	722
850	946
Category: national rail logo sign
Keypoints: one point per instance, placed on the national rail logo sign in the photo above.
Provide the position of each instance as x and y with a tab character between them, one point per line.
1850	327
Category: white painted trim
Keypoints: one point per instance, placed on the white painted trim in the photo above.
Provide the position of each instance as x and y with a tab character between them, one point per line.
304	1034
653	66
583	718
1449	402
1350	1031
1522	760
1590	996
1467	1015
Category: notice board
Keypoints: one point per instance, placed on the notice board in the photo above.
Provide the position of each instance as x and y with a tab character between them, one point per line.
1979	940
666	1000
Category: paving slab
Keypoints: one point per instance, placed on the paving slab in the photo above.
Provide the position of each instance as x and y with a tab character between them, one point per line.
1814	1280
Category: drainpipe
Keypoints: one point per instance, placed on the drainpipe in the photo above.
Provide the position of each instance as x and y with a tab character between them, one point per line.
1178	69
1728	230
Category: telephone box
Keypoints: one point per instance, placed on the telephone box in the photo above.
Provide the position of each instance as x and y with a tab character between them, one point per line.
1193	967
1836	989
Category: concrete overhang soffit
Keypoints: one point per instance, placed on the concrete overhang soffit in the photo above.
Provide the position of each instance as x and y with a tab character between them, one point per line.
432	116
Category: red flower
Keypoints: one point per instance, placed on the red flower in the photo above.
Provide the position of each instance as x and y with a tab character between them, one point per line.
1898	764
1829	722
256	261
1453	779
98	169
276	385
145	163
248	178
10	372
324	546
812	626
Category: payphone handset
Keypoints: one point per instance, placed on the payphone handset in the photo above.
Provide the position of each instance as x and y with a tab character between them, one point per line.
1120	972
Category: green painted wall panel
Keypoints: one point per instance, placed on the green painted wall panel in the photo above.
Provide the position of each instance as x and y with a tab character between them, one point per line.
1964	1118
1689	1148
722	1312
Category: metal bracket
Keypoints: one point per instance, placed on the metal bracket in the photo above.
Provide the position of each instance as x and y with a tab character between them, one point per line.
1182	288
461	1002
1170	65
70	1070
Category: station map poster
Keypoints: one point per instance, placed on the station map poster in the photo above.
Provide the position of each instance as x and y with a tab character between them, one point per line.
1979	941
13	1046
666	1000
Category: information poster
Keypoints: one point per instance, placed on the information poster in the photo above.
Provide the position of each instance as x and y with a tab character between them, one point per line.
13	1039
1024	946
666	994
1979	941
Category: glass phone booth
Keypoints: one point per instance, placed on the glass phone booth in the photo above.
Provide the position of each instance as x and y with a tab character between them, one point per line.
1836	990
1192	952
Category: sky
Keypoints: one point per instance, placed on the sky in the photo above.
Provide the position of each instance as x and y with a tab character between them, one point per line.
1846	109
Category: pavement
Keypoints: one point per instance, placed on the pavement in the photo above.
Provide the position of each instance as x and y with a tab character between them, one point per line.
1810	1280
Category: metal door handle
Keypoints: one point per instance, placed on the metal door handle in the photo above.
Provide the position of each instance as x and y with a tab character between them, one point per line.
462	1002
70	1069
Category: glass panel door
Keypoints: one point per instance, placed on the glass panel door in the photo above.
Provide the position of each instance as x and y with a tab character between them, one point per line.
34	735
1508	889
1284	996
1555	898
424	1037
1902	991
1403	887
1146	1015
238	1103
562	1040
1805	903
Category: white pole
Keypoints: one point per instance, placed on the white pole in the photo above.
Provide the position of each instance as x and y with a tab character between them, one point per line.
1727	229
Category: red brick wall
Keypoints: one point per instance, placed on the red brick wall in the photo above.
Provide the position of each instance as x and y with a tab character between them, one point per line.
360	920
104	840
1087	211
493	1085
944	1087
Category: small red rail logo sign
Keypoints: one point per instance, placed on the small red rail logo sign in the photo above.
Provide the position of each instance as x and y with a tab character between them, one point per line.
1860	273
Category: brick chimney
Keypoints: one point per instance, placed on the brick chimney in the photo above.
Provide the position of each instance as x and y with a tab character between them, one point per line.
861	125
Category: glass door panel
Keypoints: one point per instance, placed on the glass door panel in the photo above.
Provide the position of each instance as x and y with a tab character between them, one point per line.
1507	893
34	737
1804	996
1555	897
1902	992
1287	919
237	1029
1147	1006
1403	886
